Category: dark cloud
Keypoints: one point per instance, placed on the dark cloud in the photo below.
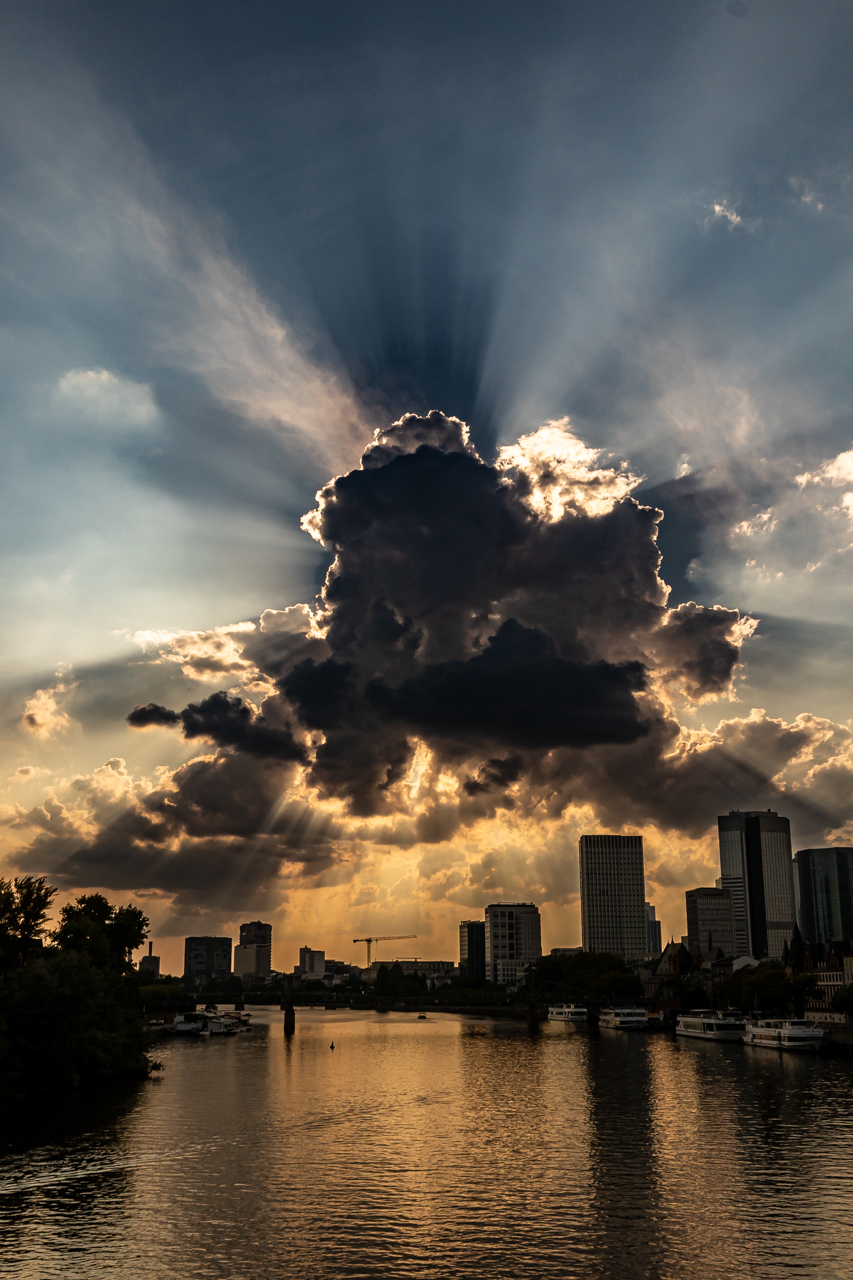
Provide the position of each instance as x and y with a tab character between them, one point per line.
226	720
518	691
463	608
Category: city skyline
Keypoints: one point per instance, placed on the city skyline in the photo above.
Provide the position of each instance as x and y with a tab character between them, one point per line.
429	450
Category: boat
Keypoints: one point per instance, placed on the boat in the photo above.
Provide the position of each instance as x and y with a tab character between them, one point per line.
189	1024
222	1026
421	1015
792	1034
567	1013
709	1024
624	1019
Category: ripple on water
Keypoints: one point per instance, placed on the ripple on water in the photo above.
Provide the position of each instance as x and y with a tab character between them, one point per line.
446	1148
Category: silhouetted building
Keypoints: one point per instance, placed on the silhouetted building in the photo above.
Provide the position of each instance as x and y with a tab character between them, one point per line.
756	868
150	964
513	941
312	963
653	937
823	888
566	951
613	895
206	958
472	950
710	921
258	935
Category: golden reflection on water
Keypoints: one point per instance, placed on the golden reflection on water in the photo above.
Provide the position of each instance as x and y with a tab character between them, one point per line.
450	1147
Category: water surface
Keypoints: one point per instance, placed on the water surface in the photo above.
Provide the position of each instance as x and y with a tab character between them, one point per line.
450	1147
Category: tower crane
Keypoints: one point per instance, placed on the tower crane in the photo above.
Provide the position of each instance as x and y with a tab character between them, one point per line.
387	937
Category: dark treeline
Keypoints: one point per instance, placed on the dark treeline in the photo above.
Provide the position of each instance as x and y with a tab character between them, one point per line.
70	1000
586	978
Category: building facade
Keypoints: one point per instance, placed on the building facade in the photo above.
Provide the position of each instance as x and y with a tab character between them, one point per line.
472	950
258	935
513	941
653	937
150	964
757	869
823	889
710	921
312	963
613	895
206	958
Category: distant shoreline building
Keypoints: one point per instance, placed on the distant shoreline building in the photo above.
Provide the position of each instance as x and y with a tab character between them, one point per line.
206	958
312	964
613	895
710	921
653	932
253	955
513	941
823	891
150	964
757	869
472	950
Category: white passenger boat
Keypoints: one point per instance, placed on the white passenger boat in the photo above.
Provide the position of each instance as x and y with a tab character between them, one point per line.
708	1024
624	1019
567	1013
790	1034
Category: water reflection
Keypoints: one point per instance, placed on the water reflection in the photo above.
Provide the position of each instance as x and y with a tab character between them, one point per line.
446	1147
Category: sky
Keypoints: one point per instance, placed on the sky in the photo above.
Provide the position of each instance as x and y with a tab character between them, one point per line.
430	424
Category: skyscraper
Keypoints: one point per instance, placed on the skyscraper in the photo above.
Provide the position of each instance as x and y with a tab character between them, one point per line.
613	895
206	958
653	938
756	868
823	889
472	950
710	921
513	940
258	935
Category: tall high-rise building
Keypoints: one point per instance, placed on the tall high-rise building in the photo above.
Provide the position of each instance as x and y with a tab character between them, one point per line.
653	938
823	890
206	958
613	895
710	921
513	940
258	935
472	950
756	868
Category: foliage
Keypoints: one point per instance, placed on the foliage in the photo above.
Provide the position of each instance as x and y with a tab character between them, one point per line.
842	1001
107	934
67	1021
393	982
767	988
70	1013
588	977
158	997
24	904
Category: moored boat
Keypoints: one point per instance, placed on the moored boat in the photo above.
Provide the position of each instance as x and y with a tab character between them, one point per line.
624	1019
792	1034
709	1024
189	1024
567	1013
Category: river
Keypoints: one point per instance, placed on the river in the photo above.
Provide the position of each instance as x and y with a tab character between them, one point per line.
451	1147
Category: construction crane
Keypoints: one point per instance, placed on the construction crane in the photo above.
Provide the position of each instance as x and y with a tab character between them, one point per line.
388	937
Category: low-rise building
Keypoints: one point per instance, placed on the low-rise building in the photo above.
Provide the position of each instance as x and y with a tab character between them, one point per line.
150	964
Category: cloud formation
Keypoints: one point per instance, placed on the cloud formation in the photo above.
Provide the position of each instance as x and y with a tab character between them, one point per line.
492	660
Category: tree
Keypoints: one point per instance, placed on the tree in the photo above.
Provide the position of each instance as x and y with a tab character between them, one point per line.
767	988
588	977
24	904
107	934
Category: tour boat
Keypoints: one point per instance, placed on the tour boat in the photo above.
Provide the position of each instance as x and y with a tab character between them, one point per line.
708	1024
624	1019
792	1034
567	1013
